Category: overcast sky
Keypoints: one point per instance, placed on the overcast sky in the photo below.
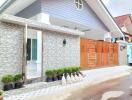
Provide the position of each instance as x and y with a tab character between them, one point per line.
119	7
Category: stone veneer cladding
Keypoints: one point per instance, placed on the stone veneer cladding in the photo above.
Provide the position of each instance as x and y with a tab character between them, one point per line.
11	48
57	55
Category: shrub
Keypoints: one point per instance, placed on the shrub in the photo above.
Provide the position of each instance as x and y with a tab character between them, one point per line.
60	71
73	69
55	72
49	73
17	77
1	92
7	79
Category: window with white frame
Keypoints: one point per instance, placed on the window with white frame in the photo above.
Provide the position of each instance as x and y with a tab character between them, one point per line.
79	4
31	49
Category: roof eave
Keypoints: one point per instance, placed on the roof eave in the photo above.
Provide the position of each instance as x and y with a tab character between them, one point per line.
38	25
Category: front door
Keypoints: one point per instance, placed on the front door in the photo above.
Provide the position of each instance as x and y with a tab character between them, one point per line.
33	68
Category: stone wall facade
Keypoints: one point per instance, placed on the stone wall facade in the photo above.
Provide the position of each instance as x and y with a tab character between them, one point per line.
11	48
55	54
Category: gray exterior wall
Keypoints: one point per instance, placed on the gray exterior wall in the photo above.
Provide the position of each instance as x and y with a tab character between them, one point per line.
56	55
64	9
31	10
11	48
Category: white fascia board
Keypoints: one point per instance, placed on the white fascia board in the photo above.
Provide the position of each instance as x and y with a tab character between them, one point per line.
38	25
105	17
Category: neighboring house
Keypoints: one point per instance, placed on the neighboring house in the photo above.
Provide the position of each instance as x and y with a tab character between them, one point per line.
49	34
125	23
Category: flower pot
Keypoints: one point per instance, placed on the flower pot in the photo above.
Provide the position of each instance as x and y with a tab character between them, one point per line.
49	79
55	78
81	73
8	87
18	85
59	77
77	73
73	74
1	97
65	75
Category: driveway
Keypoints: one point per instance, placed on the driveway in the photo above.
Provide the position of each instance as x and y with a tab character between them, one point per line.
117	89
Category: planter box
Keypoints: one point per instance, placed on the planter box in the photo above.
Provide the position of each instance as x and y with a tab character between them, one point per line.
18	85
8	87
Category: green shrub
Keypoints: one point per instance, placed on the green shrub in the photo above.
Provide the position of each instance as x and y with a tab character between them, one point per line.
60	70
1	92
75	69
7	79
49	73
17	77
55	72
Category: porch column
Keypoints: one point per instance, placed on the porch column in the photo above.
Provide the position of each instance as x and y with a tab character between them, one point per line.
39	54
24	53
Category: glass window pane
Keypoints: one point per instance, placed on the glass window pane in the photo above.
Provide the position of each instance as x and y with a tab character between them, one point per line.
80	1
28	49
34	49
80	6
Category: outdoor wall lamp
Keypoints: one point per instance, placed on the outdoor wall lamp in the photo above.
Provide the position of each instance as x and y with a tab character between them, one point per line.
64	42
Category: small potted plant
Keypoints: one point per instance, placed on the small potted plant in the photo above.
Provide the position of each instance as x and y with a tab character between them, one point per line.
66	72
18	82
49	75
60	72
1	95
55	75
8	82
74	70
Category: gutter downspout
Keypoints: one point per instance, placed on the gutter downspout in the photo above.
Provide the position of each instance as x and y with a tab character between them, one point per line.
24	53
113	19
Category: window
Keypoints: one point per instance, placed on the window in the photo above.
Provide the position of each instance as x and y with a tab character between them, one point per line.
79	4
31	49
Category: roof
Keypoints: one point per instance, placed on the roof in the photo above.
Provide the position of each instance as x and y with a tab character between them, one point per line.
96	5
123	19
38	25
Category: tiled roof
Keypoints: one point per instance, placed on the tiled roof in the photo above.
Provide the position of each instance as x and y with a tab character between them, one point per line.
121	20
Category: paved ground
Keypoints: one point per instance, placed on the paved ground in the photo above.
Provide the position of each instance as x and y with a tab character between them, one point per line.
117	89
122	87
80	90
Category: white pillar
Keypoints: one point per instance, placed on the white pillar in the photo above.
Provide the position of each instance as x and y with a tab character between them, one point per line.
39	52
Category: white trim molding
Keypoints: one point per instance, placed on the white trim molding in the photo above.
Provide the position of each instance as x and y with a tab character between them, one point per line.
38	25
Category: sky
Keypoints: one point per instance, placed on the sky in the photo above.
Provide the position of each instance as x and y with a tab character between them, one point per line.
119	7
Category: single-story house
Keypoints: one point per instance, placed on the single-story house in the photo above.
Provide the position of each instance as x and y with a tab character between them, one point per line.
36	35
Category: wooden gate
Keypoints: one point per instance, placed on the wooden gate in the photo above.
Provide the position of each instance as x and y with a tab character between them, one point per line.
91	53
97	53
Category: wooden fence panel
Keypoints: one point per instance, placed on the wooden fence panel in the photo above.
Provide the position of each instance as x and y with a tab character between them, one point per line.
115	54
97	53
105	54
99	50
110	54
91	53
83	53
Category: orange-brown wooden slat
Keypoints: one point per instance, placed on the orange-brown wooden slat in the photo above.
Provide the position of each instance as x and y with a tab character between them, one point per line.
97	53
